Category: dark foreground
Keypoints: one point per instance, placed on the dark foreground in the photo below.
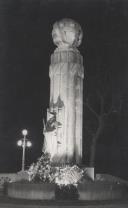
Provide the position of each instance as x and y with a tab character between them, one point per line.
20	203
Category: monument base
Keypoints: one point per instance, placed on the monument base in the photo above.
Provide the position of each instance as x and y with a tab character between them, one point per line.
86	190
101	191
33	191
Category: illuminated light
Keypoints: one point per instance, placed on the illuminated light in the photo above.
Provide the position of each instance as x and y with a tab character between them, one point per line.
19	143
29	144
24	132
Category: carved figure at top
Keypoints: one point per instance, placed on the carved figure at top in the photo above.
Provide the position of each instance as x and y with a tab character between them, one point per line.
67	33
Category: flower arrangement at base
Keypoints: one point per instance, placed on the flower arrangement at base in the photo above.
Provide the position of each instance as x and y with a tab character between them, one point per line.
68	175
41	170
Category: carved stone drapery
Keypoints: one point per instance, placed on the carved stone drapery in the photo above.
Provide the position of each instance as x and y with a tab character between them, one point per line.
66	94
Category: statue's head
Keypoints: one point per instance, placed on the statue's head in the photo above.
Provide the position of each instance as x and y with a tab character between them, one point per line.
67	33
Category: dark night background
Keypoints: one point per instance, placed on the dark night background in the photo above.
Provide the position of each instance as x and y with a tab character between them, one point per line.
25	49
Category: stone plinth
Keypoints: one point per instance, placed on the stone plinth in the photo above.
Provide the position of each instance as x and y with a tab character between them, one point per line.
101	191
33	191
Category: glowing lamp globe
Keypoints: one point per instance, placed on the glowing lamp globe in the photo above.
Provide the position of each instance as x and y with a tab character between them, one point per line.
29	144
19	143
24	132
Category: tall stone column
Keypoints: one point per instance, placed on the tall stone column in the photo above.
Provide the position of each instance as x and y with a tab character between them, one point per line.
65	114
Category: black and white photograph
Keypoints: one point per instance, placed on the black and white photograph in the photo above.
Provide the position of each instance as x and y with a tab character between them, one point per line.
64	103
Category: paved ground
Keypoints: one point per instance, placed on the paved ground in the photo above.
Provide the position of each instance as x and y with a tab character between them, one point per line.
6	202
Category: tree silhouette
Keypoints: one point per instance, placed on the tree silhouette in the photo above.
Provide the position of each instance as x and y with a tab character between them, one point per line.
98	103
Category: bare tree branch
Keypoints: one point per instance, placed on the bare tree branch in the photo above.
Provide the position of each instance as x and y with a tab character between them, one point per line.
92	110
109	112
101	102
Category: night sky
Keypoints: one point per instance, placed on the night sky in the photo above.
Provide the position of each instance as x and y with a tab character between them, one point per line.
25	49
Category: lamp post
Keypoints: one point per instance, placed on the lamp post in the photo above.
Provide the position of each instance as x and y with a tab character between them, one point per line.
24	142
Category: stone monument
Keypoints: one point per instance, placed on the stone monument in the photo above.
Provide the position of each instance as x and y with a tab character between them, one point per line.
63	133
63	129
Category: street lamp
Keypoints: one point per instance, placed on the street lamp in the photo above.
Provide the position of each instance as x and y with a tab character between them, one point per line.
24	142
